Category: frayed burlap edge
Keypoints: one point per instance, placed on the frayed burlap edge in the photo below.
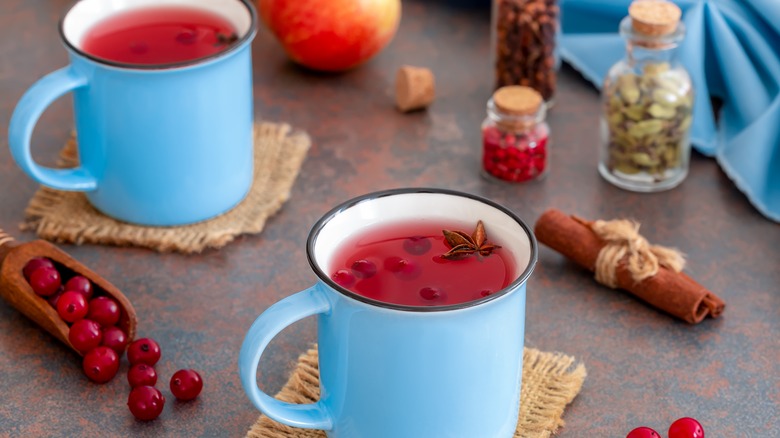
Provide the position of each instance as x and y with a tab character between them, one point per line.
550	382
67	217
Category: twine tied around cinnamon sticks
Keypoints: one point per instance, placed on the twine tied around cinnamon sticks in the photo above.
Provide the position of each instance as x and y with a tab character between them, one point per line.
622	240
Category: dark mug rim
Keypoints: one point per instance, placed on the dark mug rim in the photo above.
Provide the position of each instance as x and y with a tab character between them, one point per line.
327	217
250	33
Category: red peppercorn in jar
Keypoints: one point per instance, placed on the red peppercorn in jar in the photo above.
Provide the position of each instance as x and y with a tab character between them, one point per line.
514	135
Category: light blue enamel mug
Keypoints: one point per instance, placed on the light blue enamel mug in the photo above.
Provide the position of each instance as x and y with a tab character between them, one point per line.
396	371
158	145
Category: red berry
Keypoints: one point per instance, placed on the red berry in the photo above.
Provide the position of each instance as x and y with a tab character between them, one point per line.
144	351
54	299
72	306
115	339
186	384
146	402
363	268
430	293
34	264
643	432
141	375
80	284
45	281
417	245
101	364
686	427
84	335
104	311
344	278
402	268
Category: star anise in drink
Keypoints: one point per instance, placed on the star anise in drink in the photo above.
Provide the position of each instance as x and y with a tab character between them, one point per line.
462	245
224	40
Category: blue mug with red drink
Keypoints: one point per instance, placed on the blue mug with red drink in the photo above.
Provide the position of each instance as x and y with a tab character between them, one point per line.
162	96
420	320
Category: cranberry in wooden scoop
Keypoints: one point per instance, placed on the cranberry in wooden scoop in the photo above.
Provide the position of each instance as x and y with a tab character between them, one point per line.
104	311
85	335
81	284
18	292
34	264
115	339
72	306
45	281
101	364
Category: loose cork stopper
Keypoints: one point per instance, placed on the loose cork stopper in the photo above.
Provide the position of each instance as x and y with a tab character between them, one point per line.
654	17
414	88
517	100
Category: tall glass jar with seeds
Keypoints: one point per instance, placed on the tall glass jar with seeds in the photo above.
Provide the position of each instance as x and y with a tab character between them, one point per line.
523	40
647	103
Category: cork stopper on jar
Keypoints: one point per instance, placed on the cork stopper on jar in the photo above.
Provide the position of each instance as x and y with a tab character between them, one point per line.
517	100
654	17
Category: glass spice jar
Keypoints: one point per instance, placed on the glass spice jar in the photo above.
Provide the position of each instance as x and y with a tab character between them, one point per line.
647	103
523	38
514	135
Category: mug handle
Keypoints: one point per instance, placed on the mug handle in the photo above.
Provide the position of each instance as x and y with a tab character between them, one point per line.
287	311
23	120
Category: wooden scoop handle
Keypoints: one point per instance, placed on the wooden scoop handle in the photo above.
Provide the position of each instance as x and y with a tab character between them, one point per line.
6	243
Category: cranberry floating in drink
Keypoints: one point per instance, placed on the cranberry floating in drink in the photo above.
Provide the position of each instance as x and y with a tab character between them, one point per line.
159	35
422	264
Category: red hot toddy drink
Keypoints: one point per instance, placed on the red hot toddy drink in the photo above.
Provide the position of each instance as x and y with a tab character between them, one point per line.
159	35
422	264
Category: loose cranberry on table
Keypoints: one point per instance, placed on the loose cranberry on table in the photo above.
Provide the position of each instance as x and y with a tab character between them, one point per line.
643	432
81	284
34	264
186	384
104	311
45	281
686	427
143	350
84	335
115	339
101	364
141	375
146	402
72	306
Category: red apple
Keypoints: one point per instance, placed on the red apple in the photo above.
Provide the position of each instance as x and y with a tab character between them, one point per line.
331	35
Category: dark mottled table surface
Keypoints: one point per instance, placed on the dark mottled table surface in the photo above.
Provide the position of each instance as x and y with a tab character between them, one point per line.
644	368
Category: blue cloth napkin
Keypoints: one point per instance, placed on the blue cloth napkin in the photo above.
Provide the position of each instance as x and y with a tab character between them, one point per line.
732	51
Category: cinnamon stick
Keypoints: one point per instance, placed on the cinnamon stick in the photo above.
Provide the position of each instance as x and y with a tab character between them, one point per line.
673	292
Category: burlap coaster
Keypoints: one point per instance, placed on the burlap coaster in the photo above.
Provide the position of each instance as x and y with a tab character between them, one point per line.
550	382
68	217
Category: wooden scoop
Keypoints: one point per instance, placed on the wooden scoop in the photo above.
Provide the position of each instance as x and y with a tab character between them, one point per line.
15	289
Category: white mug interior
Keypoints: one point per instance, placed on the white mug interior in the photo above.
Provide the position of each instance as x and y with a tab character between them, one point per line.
86	13
502	226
